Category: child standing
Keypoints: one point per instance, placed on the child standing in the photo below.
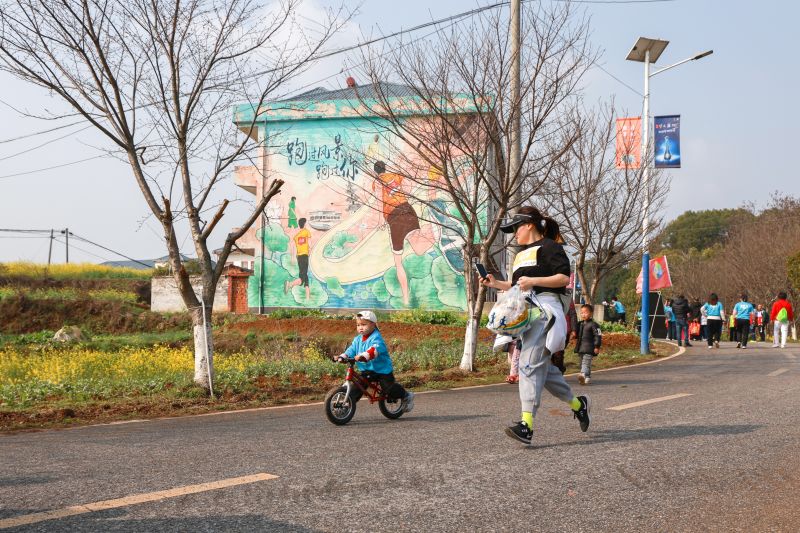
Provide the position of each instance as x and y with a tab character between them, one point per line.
732	327
587	343
373	361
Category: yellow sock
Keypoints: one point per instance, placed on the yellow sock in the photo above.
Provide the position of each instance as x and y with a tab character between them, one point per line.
528	419
575	403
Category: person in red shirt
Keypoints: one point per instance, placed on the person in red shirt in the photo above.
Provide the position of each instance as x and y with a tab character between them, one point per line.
781	315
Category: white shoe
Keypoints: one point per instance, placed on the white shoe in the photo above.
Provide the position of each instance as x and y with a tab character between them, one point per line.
775	346
587	381
709	347
408	402
744	347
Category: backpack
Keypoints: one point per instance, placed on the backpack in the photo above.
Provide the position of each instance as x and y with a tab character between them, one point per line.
782	316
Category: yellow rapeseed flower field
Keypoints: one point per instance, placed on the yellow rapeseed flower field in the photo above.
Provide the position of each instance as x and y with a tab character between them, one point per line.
66	365
59	365
70	271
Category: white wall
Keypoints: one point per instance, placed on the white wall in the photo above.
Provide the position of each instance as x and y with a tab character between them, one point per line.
165	297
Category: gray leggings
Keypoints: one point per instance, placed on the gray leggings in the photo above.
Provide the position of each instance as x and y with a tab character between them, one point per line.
586	364
536	372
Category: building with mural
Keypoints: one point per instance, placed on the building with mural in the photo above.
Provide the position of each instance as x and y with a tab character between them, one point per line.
348	229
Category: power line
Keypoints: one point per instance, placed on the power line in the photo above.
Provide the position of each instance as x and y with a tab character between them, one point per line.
34	171
36	133
72	245
45	143
452	18
109	249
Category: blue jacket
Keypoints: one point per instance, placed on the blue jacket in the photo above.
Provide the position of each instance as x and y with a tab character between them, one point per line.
742	310
380	363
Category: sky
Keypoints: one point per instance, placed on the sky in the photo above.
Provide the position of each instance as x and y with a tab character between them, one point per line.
737	110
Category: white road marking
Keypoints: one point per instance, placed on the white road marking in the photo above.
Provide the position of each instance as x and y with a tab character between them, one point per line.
778	372
134	499
647	402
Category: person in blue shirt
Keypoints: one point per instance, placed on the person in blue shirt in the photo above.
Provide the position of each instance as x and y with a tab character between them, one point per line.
670	316
619	309
743	311
715	317
372	359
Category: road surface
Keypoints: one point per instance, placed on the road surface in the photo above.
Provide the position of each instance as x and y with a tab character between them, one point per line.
707	441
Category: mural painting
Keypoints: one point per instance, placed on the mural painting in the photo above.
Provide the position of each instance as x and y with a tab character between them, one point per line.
348	229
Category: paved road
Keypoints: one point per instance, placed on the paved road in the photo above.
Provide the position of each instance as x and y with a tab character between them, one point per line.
722	458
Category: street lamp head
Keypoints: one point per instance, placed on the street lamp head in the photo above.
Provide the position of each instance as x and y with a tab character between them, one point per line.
704	54
644	44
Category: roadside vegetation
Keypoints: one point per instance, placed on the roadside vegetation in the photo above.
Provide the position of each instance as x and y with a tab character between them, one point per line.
132	362
71	271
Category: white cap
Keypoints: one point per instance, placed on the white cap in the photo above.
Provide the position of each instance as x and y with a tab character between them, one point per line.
367	315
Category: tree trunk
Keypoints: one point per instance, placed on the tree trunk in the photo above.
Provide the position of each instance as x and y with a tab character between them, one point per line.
470	343
203	348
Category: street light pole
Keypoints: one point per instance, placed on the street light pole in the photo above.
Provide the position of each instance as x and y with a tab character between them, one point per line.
648	51
644	347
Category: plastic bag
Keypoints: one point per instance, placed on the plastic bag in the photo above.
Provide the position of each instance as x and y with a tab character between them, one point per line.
513	315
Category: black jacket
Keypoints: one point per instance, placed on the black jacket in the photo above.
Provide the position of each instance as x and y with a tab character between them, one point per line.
695	309
680	306
589	337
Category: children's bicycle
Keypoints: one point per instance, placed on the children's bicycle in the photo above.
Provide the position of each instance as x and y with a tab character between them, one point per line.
340	406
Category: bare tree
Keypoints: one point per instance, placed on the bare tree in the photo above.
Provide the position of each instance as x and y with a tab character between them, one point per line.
159	79
599	206
453	125
750	258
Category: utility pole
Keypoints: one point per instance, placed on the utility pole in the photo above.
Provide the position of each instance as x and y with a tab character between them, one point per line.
515	155
50	250
66	232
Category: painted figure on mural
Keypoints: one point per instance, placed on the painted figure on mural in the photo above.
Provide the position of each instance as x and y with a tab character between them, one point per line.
292	215
402	221
302	245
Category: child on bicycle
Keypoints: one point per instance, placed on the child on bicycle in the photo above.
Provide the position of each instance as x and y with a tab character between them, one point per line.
372	359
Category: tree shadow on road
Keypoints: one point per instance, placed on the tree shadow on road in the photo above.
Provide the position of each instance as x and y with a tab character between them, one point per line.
602	381
657	433
423	418
25	480
115	521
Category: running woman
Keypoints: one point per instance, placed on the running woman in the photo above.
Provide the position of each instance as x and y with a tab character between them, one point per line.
543	268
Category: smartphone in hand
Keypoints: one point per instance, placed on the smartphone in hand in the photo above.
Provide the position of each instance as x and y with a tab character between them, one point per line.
481	270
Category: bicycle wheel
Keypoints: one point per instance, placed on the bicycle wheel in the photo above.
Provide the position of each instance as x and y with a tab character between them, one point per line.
338	407
391	409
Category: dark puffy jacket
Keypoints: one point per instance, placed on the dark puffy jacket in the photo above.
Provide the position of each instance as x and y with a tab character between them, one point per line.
680	306
589	337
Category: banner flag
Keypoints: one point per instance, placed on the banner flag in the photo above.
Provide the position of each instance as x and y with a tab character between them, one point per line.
659	275
667	141
629	142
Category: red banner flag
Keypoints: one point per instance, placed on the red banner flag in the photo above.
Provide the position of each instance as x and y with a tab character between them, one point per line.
659	275
629	142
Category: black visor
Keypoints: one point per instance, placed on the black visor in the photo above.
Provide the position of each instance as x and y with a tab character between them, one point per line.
511	225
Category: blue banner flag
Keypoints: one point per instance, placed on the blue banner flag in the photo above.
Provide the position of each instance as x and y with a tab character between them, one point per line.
667	141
